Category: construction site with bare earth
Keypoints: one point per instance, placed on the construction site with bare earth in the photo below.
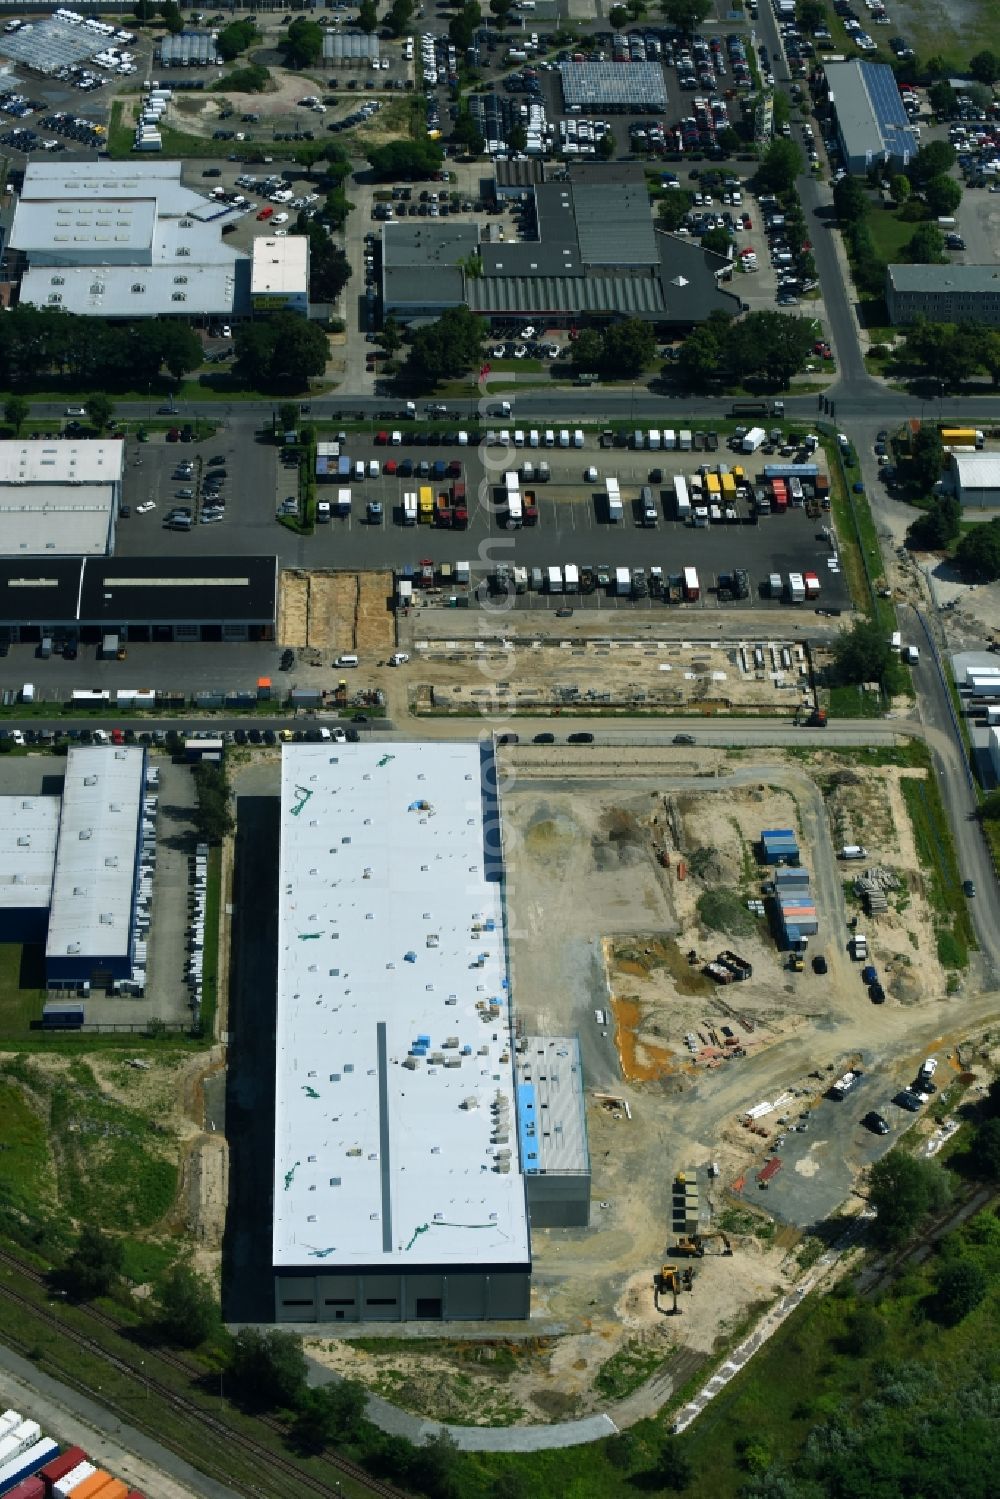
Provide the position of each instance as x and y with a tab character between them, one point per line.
645	918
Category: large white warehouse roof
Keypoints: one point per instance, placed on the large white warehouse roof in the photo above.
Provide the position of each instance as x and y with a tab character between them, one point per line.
29	827
395	1136
97	854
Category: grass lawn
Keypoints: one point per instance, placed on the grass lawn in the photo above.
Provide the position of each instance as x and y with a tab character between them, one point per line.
26	1177
22	990
854	702
971	27
889	232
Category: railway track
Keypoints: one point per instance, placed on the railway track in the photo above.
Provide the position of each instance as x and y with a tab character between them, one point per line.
303	1482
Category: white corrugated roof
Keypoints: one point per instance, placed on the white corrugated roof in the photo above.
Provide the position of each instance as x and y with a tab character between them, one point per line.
390	929
977	470
29	827
97	854
41	461
280	265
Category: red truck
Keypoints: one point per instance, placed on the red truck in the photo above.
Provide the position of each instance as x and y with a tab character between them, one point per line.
442	509
460	509
530	508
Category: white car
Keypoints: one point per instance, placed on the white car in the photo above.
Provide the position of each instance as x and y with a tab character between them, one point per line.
528	332
226	331
280	218
338	736
145	508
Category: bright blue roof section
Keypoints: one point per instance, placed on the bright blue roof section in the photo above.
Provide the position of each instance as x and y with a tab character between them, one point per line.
527	1127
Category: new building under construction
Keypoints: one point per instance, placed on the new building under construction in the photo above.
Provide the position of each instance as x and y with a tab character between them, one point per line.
399	1189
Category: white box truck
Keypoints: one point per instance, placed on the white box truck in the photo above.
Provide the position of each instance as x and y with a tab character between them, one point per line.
571	578
554	580
616	510
754	439
654	439
685	440
623	582
682	500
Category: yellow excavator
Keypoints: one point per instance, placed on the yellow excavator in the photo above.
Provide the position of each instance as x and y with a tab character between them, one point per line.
671	1280
694	1247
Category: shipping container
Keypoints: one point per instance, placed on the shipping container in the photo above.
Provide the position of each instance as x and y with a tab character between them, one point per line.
28	1488
796	588
58	1467
692	588
27	1463
681	500
616	510
63	1487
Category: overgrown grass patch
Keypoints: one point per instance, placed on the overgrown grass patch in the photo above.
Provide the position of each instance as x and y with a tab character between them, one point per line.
854	701
627	1369
723	910
22	992
27	1179
936	853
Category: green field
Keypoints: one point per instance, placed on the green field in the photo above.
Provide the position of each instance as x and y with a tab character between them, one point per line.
22	991
936	852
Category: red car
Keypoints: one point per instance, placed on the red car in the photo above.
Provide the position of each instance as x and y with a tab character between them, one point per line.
265	213
381	439
174	435
390	466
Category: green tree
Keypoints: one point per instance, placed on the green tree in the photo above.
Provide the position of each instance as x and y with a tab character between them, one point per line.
189	1312
606	146
235	38
780	165
674	208
437	1468
367	15
717	242
101	410
412	161
942	195
925	245
328	1415
782	107
961	1285
618	16
267	1369
462	28
850	200
862	653
517	138
768	345
674	1469
930	161
212	818
302	44
16	411
587	349
985	66
627	347
985	1151
94	1266
978	553
903	1189
446	348
466	132
283	348
391	337
701	355
866	1331
685	15
288	416
252	79
936	528
899	188
927	457
942	99
500	11
144	10
171	17
398	16
811	14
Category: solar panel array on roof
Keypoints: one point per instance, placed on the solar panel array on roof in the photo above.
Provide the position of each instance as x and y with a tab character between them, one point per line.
614	85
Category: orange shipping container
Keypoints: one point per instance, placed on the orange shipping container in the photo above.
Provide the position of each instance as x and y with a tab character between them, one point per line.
94	1485
113	1490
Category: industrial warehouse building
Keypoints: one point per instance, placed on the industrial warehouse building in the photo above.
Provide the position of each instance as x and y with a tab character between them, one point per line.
279	277
597	256
184	600
872	125
943	294
59	498
975	479
70	869
125	239
552	1131
29	829
92	934
399	1191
